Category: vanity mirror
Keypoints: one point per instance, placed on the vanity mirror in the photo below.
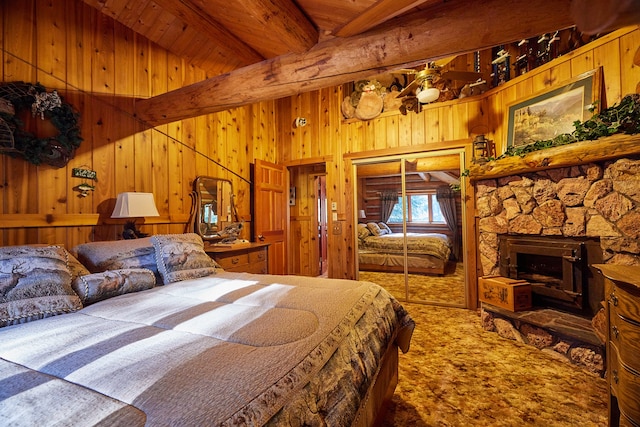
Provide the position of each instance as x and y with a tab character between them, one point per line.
215	212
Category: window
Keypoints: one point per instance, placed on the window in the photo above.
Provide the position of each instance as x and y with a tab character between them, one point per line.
421	209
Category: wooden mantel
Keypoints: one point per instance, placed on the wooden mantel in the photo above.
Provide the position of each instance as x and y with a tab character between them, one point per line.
578	153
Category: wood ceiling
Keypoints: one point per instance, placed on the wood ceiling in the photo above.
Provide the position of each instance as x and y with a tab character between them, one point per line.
256	50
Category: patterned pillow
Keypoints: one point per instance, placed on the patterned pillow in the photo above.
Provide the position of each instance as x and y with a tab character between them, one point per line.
99	286
374	228
182	257
75	267
35	283
385	228
363	231
117	255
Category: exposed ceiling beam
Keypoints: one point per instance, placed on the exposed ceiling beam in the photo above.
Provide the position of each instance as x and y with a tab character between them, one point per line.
601	16
379	12
402	42
446	177
449	162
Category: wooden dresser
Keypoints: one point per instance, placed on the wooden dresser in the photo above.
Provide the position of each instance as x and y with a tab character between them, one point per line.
622	295
247	257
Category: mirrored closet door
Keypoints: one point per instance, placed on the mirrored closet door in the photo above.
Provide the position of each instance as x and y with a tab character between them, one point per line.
410	217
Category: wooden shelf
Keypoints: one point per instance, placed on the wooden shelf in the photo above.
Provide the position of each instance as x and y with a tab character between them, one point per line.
578	153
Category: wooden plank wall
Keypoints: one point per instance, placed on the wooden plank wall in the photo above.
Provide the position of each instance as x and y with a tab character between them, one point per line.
327	134
101	67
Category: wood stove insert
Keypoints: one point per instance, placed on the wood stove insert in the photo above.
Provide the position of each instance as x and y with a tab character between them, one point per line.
558	268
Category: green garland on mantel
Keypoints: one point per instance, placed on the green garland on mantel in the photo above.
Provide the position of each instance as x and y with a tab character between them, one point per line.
623	118
620	118
55	150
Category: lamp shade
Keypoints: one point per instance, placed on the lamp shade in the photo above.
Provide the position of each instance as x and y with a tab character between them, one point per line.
135	205
361	214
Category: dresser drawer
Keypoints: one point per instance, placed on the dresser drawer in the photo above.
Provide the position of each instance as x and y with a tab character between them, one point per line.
626	301
628	392
257	267
252	258
626	336
259	255
613	368
231	261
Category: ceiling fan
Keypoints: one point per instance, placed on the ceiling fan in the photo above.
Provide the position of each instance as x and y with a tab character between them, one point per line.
423	87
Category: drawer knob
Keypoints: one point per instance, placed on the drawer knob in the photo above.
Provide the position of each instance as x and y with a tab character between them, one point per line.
235	260
615	376
614	299
616	331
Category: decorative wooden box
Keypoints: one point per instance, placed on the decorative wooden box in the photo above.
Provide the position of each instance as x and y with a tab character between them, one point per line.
510	294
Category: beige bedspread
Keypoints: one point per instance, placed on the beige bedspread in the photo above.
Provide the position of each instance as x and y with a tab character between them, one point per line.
434	244
230	349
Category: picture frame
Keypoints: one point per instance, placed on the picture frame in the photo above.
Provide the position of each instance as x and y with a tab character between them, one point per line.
549	113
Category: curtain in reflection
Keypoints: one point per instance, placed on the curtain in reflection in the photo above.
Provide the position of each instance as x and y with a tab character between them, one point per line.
388	199
447	200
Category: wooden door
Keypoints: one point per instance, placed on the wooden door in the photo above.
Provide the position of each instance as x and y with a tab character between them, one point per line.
271	211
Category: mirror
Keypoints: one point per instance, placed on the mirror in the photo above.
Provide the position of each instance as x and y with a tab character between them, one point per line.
214	206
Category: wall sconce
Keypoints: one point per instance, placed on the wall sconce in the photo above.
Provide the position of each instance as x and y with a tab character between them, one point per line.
361	214
483	149
134	205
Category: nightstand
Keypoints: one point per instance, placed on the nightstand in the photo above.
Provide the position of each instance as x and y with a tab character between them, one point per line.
241	257
622	295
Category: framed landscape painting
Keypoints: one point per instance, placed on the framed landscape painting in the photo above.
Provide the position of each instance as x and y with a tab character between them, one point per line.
547	114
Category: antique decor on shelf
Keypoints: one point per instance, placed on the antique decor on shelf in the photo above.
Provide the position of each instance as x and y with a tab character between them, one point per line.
18	139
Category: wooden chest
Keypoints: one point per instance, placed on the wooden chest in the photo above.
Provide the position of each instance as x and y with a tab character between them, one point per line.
510	294
247	258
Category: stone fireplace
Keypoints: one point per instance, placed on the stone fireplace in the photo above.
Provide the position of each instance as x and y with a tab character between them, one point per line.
558	220
597	201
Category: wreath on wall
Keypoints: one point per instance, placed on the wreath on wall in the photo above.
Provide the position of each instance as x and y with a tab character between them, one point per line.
16	141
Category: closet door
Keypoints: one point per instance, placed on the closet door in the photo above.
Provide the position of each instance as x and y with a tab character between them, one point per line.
420	260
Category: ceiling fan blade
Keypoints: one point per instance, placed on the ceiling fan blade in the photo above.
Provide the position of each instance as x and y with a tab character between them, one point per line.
444	61
466	76
411	87
405	71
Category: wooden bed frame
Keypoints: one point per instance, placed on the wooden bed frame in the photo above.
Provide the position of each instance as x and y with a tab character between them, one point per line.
416	265
374	406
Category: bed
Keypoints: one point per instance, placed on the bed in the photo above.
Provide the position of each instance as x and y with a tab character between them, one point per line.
379	249
152	332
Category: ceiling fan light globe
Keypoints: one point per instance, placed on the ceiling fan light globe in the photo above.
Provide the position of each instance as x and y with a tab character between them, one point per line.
428	95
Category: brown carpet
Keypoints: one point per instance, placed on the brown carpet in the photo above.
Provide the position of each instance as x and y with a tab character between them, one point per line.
457	374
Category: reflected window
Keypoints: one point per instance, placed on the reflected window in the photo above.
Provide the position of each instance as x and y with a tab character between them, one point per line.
421	209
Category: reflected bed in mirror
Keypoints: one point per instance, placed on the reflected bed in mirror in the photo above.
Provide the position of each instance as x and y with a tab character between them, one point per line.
215	213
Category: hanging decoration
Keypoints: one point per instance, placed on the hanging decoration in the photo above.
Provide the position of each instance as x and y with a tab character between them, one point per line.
83	172
16	141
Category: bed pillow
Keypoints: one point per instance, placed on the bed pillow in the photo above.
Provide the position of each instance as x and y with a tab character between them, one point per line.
75	267
384	228
363	231
375	229
35	283
117	255
100	286
181	257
